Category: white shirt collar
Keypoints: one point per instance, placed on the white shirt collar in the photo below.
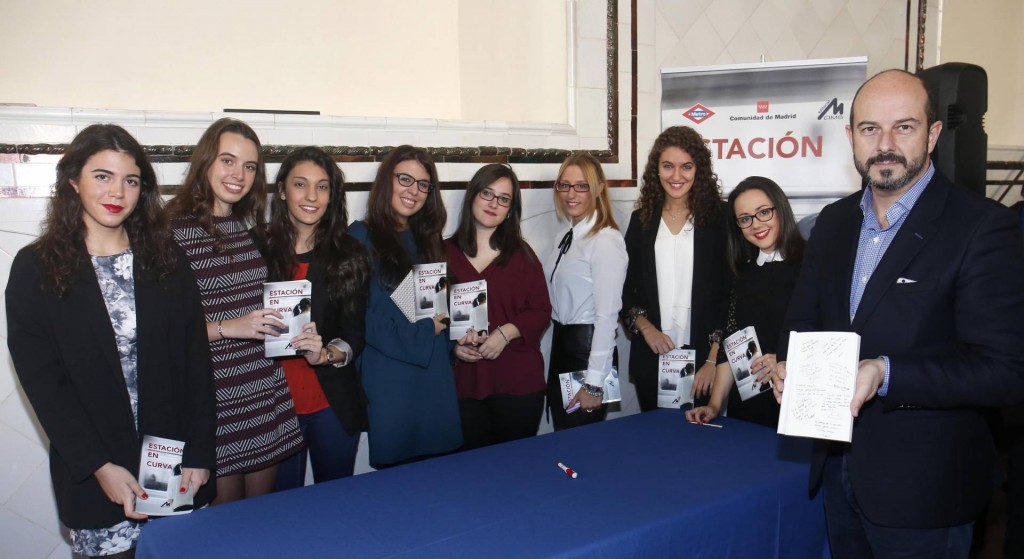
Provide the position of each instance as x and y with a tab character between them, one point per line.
763	257
581	229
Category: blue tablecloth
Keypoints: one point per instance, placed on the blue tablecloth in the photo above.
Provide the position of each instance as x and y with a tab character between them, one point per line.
649	485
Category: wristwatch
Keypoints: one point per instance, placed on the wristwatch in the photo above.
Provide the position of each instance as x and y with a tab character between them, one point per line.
596	391
330	355
634	314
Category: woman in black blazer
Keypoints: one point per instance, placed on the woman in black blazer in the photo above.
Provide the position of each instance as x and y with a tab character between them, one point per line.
108	340
308	239
677	233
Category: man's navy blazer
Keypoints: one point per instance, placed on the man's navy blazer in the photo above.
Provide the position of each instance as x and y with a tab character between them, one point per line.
946	305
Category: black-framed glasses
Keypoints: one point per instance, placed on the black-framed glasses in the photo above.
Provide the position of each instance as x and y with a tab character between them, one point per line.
487	195
409	180
565	186
763	215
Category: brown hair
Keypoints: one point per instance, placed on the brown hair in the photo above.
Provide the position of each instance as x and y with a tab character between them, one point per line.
195	196
704	198
507	237
344	258
789	243
383	227
61	245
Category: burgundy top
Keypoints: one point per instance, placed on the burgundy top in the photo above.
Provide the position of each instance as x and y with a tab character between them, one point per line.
516	293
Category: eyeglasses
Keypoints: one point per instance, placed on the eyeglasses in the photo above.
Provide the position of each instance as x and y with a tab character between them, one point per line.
564	187
408	180
763	215
487	195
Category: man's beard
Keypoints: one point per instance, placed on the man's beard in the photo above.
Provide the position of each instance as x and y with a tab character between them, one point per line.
888	182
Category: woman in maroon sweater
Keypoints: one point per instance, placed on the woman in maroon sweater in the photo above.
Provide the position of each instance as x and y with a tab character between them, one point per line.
499	374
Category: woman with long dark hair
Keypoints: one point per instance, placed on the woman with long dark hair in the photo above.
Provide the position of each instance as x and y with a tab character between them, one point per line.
677	279
499	371
218	219
406	367
106	333
308	239
765	252
585	274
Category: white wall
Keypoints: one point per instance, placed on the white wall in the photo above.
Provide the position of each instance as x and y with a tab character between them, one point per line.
386	58
989	34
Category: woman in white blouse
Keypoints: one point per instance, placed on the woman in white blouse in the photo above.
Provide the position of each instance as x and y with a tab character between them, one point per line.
678	273
585	272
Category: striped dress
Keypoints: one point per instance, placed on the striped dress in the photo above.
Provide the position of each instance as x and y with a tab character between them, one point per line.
256	424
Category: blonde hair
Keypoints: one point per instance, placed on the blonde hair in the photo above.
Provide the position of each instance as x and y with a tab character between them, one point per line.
594	176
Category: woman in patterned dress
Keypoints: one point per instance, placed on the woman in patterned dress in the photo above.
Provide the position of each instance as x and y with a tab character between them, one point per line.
106	336
218	216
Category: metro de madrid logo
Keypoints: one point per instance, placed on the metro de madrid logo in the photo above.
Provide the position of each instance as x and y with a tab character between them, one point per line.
698	113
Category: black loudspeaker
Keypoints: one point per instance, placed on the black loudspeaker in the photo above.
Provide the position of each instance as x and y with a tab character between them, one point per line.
960	92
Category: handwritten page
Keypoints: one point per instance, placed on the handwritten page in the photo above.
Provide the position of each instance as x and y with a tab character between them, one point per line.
821	372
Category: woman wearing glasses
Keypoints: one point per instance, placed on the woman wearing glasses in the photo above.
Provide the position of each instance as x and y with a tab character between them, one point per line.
765	251
407	375
585	274
677	278
499	375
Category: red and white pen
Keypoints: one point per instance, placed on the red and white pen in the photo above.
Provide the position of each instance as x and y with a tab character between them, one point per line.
568	471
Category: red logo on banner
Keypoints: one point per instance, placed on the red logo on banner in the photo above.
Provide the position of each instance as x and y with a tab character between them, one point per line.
762	106
698	113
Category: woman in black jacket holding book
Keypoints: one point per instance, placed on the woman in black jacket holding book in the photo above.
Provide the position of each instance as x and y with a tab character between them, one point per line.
765	251
677	276
308	239
108	340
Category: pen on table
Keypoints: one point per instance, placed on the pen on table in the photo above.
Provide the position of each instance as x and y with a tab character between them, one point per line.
707	424
568	471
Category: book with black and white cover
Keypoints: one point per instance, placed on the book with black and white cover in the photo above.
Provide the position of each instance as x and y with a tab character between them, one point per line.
571	383
294	300
676	369
423	292
160	477
821	377
742	348
468	309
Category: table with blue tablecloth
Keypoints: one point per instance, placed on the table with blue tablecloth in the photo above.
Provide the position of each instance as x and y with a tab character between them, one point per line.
649	485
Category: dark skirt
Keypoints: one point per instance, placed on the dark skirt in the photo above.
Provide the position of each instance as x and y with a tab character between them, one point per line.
570	351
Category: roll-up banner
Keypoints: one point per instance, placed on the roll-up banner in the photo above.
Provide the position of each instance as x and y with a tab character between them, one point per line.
781	120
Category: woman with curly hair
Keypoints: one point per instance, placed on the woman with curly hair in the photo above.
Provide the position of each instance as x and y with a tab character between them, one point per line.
107	337
678	273
218	219
308	239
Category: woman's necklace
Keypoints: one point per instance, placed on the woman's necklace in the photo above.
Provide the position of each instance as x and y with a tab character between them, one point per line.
677	216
